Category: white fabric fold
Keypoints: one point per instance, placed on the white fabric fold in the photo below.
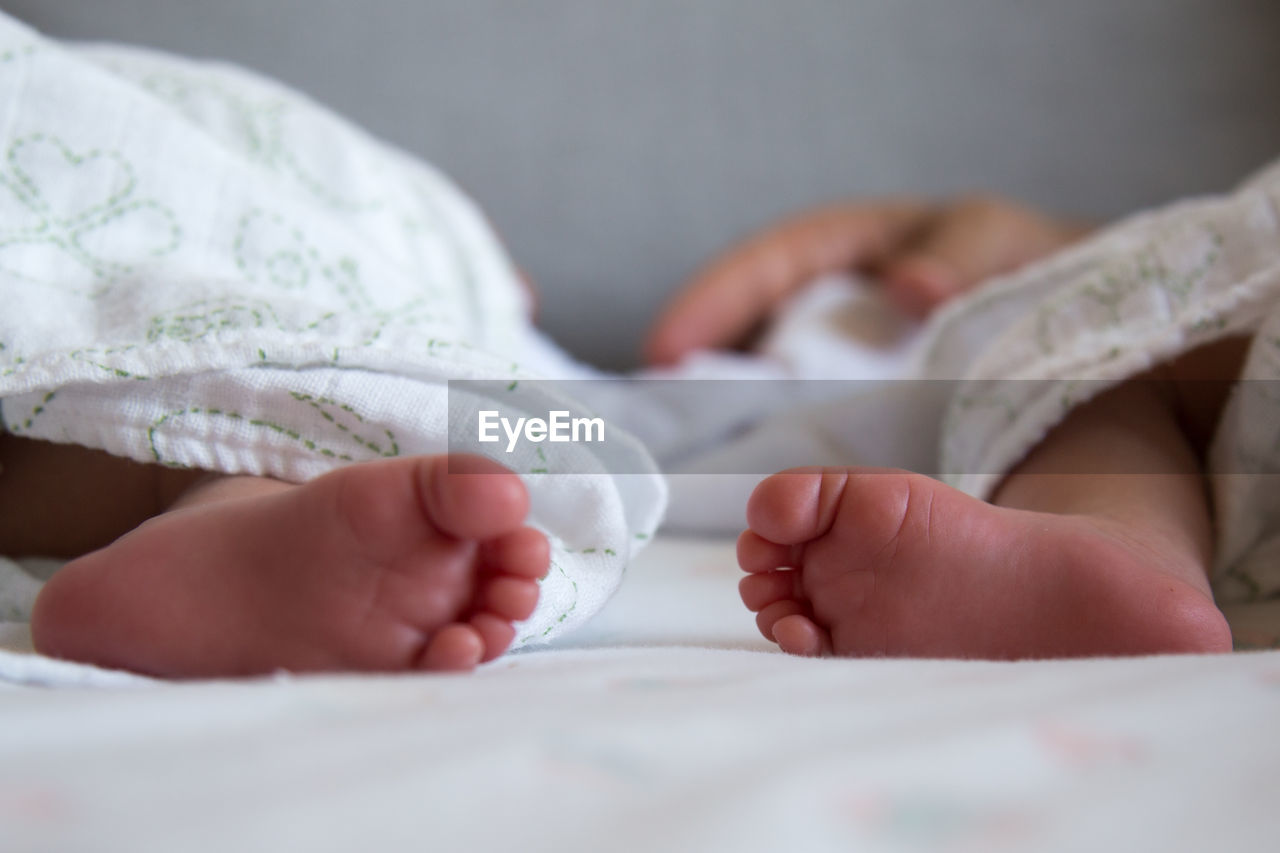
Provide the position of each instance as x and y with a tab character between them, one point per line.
200	268
1027	349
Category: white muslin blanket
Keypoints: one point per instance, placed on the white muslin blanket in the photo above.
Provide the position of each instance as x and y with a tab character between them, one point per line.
1030	347
201	268
968	395
988	376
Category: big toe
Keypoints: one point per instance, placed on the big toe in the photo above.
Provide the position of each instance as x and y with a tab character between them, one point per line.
796	505
470	497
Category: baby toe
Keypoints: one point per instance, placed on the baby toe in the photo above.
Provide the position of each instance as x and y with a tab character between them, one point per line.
496	633
758	591
453	648
523	553
757	554
510	598
797	634
769	616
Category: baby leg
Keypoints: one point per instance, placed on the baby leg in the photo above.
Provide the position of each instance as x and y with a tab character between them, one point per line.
1111	560
62	500
398	564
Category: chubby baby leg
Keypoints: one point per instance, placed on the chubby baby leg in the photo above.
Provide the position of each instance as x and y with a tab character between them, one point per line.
63	500
871	562
419	563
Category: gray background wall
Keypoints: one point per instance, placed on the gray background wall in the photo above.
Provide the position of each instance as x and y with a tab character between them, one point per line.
618	143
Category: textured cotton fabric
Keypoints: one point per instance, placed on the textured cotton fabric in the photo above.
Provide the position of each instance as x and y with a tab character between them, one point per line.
200	268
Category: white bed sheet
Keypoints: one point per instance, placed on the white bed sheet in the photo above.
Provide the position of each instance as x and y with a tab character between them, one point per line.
667	723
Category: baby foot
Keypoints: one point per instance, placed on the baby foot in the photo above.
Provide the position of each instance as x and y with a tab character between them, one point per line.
869	562
402	564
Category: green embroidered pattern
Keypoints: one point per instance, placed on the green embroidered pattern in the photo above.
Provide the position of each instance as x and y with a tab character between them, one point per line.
10	360
563	615
345	442
206	319
385	446
95	356
18	52
199	320
55	231
987	400
267	249
36	411
1145	271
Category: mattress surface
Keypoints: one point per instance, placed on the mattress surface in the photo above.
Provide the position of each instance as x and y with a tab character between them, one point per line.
666	723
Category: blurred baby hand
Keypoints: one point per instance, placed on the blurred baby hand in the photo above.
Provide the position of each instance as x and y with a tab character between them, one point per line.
924	253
